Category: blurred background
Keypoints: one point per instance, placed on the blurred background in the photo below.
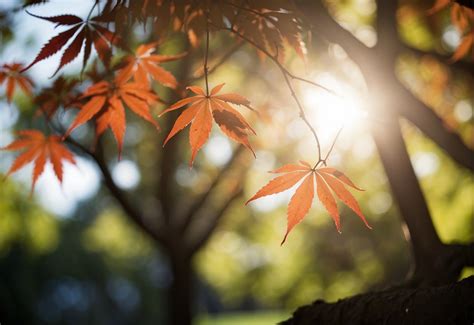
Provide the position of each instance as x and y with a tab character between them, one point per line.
69	255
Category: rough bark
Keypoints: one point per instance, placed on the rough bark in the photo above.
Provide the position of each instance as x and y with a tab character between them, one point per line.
450	304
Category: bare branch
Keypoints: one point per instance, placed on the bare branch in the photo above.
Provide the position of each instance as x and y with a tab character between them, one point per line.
303	115
168	156
407	192
206	57
219	63
455	301
433	127
199	202
214	222
286	75
332	146
131	211
320	21
461	64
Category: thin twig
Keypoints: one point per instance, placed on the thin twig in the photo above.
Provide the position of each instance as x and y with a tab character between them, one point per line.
324	161
287	75
219	63
130	210
214	221
278	63
206	68
255	12
303	114
92	9
234	20
199	202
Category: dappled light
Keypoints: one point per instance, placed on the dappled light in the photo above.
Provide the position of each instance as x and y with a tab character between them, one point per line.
236	162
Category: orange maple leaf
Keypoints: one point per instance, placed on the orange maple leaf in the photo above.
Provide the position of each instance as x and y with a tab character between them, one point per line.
327	179
40	149
11	73
144	64
105	102
463	19
464	48
438	5
201	111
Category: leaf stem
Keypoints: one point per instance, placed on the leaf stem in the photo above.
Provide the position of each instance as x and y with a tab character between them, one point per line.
287	75
324	161
96	2
303	114
220	62
206	68
333	143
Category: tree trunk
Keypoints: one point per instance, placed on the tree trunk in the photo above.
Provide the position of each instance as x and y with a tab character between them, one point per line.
181	291
451	304
409	197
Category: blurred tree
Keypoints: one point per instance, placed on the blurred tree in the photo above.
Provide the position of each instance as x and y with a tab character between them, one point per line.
179	209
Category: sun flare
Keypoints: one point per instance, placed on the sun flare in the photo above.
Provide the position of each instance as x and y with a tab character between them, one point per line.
329	112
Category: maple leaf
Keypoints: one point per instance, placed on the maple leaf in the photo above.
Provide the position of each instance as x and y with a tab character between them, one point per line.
144	64
28	3
463	18
11	74
105	101
87	32
463	48
270	24
438	5
327	180
202	109
39	148
270	27
59	94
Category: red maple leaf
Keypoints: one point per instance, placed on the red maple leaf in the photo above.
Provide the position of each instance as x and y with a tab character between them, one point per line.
87	32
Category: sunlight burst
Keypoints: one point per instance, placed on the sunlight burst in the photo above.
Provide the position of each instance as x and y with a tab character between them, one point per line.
328	112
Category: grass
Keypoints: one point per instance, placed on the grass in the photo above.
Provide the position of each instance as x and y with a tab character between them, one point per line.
246	318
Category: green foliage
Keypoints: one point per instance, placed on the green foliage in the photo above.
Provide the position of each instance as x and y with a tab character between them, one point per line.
25	222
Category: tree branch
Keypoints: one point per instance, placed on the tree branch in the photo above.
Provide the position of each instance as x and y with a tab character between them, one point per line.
433	127
286	75
461	64
214	219
303	115
450	304
117	193
199	202
316	15
206	57
220	62
409	197
169	153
